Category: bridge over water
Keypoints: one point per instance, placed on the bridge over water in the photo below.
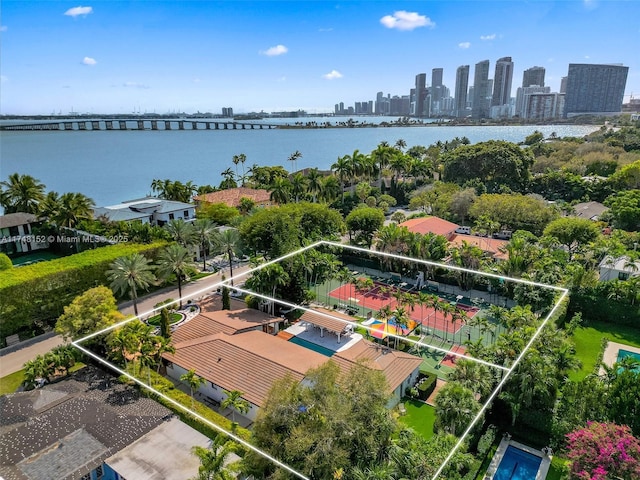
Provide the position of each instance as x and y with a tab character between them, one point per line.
137	124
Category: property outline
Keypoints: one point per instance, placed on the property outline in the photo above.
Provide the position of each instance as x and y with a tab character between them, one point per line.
226	283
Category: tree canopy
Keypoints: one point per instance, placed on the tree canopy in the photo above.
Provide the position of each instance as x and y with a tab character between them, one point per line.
495	163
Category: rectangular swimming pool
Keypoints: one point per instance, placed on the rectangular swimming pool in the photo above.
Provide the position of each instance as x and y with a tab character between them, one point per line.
625	353
312	346
517	464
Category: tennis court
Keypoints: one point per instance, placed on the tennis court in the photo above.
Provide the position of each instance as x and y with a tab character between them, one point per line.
373	299
450	360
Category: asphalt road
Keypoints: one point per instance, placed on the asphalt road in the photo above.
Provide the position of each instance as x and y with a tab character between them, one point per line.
14	361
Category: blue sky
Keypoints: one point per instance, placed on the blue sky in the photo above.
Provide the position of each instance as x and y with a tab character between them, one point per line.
168	56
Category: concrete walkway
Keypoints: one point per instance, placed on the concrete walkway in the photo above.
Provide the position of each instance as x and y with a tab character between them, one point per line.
12	362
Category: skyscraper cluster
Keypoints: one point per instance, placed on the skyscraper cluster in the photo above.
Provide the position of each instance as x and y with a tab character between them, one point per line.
587	89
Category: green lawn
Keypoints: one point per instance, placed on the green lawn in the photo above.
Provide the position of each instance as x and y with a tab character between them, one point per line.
556	469
11	382
420	417
588	338
173	318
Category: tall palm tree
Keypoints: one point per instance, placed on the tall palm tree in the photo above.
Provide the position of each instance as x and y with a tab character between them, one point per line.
331	189
314	183
204	232
267	280
176	260
236	403
22	193
130	274
455	408
229	242
472	375
343	169
49	207
181	232
73	207
293	158
194	382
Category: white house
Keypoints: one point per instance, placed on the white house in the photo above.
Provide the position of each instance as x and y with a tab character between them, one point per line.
621	268
155	211
17	235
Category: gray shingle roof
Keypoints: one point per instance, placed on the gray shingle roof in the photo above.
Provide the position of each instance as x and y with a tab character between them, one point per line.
41	430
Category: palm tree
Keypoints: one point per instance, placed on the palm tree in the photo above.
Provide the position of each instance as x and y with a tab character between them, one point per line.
455	408
280	190
49	207
293	158
194	382
236	403
400	144
129	274
73	207
176	260
314	183
343	169
22	193
213	460
472	375
331	189
267	280
298	185
181	232
447	309
228	179
204	232
229	242
162	346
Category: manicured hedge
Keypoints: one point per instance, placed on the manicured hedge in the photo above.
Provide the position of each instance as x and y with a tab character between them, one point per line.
427	386
39	292
595	306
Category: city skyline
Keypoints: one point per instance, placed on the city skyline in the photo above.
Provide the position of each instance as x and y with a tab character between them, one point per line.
201	56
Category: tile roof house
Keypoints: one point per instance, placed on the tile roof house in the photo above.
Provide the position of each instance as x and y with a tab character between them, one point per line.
17	233
232	196
251	360
438	226
84	427
152	210
435	225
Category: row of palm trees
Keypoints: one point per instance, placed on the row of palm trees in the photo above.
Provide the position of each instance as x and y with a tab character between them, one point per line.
24	193
134	273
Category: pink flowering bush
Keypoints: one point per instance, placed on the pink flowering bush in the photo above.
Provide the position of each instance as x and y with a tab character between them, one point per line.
603	451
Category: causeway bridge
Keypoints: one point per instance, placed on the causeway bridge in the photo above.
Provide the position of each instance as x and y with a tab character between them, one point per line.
136	124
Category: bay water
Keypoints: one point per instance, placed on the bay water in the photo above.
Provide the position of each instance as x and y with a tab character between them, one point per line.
115	166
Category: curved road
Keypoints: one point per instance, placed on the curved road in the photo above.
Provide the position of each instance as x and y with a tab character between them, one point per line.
12	362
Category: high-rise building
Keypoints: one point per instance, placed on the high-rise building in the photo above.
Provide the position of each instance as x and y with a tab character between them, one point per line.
436	77
462	85
227	112
595	89
533	76
543	106
502	82
481	90
418	102
563	85
521	97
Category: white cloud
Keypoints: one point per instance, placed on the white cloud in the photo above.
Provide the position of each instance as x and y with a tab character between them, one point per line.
135	85
403	20
488	37
77	11
464	44
89	61
325	29
275	51
587	57
590	4
332	75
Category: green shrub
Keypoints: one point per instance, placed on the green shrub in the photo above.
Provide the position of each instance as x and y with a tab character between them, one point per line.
39	292
5	262
427	385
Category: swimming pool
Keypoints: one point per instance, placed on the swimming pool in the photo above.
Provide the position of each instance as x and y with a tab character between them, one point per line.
517	464
312	346
625	353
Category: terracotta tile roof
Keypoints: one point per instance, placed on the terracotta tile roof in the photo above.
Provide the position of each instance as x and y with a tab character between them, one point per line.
488	245
232	196
395	365
221	321
249	362
435	225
